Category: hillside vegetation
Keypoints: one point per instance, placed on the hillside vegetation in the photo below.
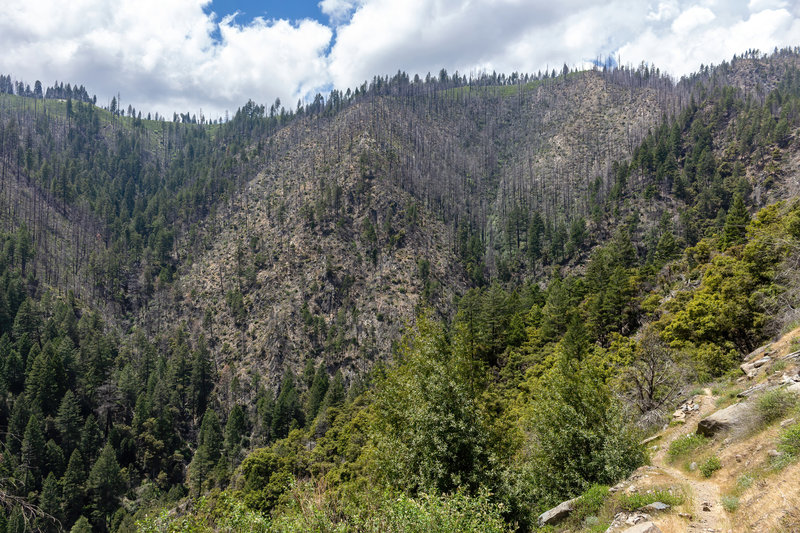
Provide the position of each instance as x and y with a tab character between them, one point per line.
446	303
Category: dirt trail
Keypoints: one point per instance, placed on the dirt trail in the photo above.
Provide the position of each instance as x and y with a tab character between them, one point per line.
707	513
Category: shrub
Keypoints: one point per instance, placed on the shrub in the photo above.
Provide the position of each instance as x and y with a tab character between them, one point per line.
744	482
591	501
730	503
631	502
790	440
685	445
711	465
774	404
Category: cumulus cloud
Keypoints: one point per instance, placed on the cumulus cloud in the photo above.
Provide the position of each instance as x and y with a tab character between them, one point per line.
163	55
692	18
175	55
711	40
338	10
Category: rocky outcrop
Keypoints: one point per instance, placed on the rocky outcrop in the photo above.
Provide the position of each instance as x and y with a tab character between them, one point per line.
751	369
557	513
736	415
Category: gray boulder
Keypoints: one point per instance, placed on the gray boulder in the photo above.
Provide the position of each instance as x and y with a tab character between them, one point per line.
731	417
557	513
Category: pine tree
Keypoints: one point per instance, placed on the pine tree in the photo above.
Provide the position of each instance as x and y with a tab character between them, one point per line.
235	431
316	394
736	222
46	380
32	455
265	407
20	415
91	439
287	413
81	526
72	487
50	504
17	522
27	320
105	485
201	382
69	422
336	394
54	458
209	449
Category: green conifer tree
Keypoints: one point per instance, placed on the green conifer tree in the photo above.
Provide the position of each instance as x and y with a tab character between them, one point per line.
316	394
50	505
32	455
736	222
69	422
72	487
287	413
336	394
105	485
235	431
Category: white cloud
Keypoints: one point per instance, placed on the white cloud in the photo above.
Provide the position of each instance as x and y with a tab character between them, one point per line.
760	5
338	10
172	55
666	11
161	55
681	53
692	18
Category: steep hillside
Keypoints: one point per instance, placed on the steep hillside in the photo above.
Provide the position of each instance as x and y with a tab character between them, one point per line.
390	204
321	258
433	301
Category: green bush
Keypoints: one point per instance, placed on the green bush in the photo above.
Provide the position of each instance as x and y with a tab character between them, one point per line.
744	482
631	502
711	465
393	514
774	404
790	440
683	446
591	501
730	503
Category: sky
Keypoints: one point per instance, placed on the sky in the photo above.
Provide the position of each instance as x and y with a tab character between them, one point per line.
211	56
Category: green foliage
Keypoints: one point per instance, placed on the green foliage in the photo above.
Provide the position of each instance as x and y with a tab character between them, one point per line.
730	503
287	413
790	441
735	223
105	485
208	453
774	404
710	465
235	432
637	500
684	446
591	502
266	477
579	433
431	433
317	392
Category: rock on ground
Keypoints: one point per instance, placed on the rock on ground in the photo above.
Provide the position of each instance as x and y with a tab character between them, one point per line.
557	513
733	416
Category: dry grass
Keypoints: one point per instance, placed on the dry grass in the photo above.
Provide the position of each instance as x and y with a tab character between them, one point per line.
672	524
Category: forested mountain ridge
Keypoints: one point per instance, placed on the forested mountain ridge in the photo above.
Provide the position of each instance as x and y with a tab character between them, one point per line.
251	274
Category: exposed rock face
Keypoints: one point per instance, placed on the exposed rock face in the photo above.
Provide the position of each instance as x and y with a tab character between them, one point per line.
751	369
734	416
557	513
